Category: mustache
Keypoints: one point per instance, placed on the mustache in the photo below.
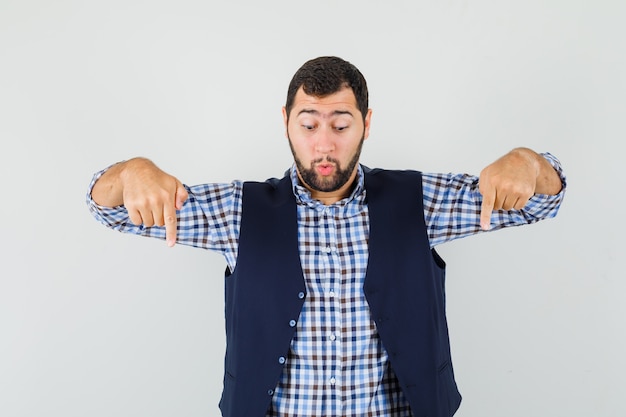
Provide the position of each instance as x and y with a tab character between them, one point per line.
325	159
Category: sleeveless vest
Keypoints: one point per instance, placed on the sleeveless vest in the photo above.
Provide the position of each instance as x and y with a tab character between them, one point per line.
404	287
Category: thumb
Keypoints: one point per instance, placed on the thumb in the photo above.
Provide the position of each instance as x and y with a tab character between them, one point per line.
181	195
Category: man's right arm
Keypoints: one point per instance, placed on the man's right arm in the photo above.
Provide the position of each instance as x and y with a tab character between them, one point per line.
150	195
208	216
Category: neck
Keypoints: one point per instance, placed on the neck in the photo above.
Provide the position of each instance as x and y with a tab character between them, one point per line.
331	197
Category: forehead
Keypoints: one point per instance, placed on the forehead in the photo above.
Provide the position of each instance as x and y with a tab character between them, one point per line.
342	100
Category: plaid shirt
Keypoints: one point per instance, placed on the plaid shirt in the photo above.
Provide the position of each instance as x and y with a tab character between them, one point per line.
337	365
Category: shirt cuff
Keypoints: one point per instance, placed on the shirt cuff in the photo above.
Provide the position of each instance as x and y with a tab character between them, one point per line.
556	164
101	213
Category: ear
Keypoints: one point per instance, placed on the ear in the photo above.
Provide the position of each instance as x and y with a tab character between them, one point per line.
368	119
285	121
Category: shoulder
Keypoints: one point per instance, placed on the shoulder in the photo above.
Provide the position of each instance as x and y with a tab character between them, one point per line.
391	174
274	190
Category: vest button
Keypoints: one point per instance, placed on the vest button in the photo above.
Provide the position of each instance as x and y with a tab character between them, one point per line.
281	360
292	323
301	295
270	392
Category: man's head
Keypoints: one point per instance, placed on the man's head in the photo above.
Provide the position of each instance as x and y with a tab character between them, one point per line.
323	76
326	120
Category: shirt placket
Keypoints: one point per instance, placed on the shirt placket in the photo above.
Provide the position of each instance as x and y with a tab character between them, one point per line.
332	296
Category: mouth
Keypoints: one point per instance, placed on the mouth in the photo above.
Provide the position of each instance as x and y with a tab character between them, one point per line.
325	169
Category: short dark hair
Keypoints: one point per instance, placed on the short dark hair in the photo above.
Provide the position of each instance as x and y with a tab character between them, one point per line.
326	75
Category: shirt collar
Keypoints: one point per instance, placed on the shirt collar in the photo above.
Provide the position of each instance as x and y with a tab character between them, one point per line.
304	196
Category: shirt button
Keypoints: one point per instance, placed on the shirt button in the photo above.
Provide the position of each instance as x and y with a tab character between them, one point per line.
281	360
326	249
332	337
332	381
331	293
301	295
292	323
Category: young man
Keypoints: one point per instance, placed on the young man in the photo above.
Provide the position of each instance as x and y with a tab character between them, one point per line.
334	293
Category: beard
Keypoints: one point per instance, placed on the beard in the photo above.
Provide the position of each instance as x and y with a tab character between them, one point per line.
327	183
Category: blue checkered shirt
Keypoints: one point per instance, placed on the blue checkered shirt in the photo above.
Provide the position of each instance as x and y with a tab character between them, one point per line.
337	365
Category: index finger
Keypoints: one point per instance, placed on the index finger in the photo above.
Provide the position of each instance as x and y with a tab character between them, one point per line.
486	208
169	216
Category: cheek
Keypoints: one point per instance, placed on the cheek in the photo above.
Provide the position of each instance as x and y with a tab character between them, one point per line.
303	152
298	148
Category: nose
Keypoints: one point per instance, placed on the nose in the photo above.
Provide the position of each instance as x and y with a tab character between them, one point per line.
324	142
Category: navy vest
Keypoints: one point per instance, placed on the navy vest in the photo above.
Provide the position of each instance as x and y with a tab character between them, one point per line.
404	287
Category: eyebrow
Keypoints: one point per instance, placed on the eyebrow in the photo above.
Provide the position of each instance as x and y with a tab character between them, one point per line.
317	113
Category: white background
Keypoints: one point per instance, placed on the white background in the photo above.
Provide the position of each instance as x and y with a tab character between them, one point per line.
94	323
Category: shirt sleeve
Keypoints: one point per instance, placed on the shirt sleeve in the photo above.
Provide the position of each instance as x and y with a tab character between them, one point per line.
452	206
209	219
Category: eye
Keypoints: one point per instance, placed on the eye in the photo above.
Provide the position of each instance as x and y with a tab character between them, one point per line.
341	128
308	124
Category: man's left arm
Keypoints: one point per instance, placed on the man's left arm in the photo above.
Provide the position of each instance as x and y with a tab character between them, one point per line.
509	182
